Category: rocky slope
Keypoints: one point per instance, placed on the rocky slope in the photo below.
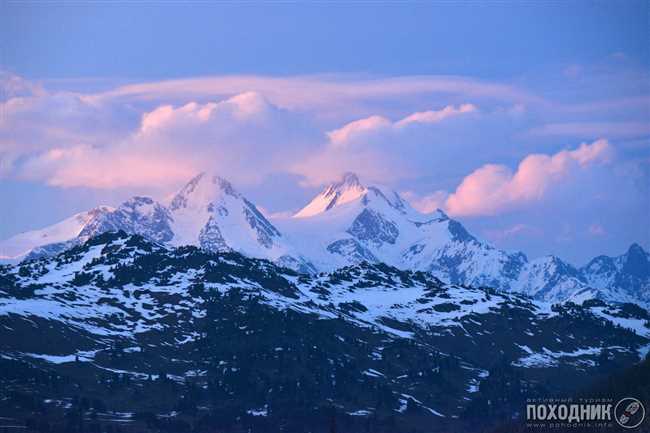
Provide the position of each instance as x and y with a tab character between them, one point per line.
182	338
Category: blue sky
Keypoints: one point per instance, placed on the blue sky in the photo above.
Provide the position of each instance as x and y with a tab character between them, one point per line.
276	81
154	40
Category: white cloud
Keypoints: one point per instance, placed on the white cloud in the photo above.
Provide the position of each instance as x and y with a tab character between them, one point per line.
436	116
376	147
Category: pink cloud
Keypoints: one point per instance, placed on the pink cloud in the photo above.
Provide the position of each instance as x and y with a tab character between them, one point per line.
243	107
427	203
596	230
381	125
319	91
12	86
101	168
340	137
494	188
171	144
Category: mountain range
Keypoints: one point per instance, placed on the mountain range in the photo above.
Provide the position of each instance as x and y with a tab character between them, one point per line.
124	334
347	223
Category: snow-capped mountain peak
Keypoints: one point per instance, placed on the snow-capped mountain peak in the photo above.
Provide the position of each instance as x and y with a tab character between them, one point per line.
623	278
346	224
18	246
141	215
209	212
347	189
202	190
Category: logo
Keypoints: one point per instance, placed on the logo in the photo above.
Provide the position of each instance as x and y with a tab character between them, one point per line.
629	412
596	413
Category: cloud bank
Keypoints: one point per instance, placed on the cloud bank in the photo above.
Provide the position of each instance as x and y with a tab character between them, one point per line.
472	147
494	188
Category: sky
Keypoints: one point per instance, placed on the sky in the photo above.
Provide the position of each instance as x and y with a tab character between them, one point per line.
529	122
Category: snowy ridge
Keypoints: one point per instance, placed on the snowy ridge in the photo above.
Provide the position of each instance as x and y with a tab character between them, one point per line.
347	223
369	294
404	330
18	246
626	277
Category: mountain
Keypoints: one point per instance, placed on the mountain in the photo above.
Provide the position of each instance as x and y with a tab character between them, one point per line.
20	245
346	224
140	215
346	190
207	212
624	277
349	223
123	331
550	279
210	213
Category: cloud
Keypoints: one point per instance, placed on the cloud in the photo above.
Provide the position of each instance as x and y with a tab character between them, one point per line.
66	139
379	124
269	134
596	230
86	166
12	86
375	147
252	127
494	188
321	92
340	137
243	137
39	122
427	203
435	116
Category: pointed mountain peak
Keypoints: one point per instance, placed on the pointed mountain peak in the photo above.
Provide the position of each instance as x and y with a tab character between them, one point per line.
636	262
210	178
349	179
202	190
349	189
349	182
636	249
345	190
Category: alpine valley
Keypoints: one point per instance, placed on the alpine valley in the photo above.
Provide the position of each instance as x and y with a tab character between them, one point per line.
357	314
